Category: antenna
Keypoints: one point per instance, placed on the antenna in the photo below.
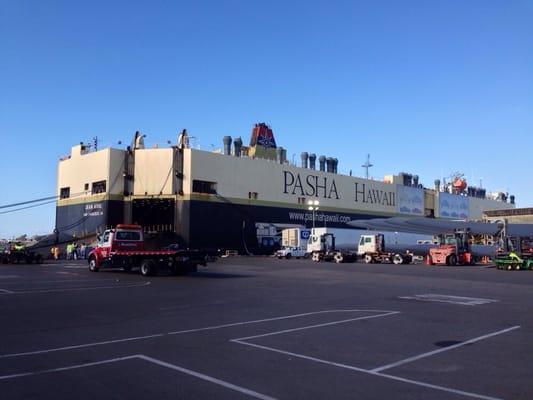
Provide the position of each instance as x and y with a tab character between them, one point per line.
367	165
95	143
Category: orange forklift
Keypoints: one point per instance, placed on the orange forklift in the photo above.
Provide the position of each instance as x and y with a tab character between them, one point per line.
453	249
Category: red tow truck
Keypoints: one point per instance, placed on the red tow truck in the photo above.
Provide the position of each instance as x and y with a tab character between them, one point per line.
124	247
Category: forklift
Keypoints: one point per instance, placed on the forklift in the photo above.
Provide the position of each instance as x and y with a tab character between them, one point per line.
453	249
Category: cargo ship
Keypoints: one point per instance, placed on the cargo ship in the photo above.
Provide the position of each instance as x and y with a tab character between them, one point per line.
239	197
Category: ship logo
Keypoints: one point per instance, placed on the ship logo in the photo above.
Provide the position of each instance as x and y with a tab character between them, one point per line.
262	135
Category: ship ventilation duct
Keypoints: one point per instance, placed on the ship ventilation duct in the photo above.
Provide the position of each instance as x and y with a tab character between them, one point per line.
437	185
329	164
283	155
237	144
415	180
305	157
335	165
279	151
312	161
227	145
322	162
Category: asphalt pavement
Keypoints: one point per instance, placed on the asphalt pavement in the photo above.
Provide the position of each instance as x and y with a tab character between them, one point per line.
245	328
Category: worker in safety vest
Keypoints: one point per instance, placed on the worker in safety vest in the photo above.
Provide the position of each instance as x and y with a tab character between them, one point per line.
70	249
18	246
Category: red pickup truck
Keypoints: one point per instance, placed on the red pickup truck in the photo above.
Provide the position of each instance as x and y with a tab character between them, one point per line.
124	247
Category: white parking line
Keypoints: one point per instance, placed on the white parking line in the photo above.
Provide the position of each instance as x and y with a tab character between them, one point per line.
370	372
77	289
58	281
46	371
155	361
316	326
443	298
431	353
208	328
208	378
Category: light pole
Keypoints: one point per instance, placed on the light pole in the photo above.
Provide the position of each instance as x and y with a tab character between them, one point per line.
313	206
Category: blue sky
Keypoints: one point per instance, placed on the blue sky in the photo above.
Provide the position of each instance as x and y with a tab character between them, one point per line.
425	87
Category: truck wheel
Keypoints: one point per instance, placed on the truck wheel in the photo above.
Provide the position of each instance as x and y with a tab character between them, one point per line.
451	260
126	268
93	267
509	267
147	268
192	268
368	258
339	258
315	257
38	259
288	256
397	259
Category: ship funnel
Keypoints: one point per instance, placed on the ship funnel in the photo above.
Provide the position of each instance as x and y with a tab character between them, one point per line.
415	180
512	198
283	155
335	165
312	161
304	156
322	162
279	151
437	185
227	145
237	144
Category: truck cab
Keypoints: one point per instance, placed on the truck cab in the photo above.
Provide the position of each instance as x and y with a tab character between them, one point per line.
122	238
322	243
370	244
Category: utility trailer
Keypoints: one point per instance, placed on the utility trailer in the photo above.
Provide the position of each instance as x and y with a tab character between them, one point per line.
124	247
516	254
20	256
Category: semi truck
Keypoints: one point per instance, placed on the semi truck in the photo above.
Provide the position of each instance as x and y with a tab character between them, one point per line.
373	249
124	247
333	244
343	245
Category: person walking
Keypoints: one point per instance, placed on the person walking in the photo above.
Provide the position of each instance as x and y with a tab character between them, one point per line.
70	248
83	250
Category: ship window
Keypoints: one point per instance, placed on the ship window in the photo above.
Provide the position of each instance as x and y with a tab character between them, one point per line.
128	235
368	240
301	200
204	187
64	193
252	195
86	187
99	187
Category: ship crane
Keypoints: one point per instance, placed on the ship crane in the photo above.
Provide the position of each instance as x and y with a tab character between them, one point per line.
367	165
